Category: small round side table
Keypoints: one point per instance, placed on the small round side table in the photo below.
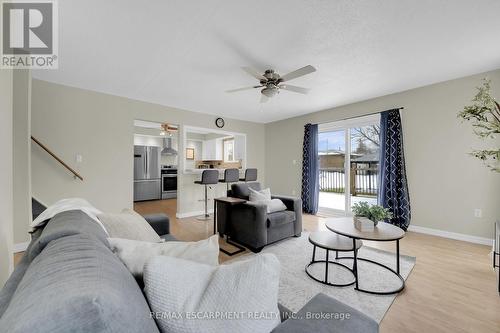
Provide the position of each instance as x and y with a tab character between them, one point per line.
330	241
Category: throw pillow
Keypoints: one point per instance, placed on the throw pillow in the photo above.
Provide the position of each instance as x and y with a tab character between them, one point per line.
129	225
262	195
275	205
239	297
135	254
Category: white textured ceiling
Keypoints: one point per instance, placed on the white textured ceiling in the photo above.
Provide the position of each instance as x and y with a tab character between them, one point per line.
185	54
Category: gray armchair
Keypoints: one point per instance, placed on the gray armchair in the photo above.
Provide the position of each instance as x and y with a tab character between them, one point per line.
251	225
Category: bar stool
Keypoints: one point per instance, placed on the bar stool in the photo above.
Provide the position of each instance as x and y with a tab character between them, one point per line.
230	176
250	175
208	177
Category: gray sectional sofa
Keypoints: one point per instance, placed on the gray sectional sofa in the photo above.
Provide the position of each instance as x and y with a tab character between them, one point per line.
70	281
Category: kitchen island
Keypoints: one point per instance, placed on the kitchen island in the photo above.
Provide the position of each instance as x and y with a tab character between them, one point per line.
190	200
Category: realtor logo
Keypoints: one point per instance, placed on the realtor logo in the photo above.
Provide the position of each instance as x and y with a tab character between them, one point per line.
29	34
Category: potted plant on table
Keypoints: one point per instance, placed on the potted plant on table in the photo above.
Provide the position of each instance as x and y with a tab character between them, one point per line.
366	216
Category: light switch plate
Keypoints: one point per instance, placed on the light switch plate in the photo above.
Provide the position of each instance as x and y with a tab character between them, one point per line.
79	158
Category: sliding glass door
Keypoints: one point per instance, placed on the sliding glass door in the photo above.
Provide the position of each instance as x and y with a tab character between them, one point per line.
332	177
348	163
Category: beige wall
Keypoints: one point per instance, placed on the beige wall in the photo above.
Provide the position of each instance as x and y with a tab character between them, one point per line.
100	127
446	184
22	155
6	201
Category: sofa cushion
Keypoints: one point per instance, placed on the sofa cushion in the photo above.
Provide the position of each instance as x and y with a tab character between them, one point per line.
241	190
199	291
129	225
135	254
76	284
73	222
279	218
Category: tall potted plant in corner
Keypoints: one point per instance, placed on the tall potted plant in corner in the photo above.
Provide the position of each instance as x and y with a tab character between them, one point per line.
484	113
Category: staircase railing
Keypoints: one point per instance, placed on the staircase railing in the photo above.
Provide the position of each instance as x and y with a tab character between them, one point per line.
70	169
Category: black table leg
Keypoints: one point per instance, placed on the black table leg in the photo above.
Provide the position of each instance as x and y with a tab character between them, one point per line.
326	267
314	253
355	262
397	256
395	272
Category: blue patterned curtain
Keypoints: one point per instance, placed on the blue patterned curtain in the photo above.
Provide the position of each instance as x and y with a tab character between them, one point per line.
393	192
310	170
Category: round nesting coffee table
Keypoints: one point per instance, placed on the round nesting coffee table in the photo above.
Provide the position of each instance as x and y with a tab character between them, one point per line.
383	232
331	242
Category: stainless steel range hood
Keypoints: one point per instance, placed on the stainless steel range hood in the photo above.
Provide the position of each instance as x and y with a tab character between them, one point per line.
167	147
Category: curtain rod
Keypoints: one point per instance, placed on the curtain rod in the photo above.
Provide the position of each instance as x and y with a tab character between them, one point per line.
364	115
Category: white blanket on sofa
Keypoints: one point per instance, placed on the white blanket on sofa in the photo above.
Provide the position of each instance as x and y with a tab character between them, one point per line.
66	205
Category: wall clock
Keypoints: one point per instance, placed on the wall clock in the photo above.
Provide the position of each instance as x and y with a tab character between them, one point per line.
219	122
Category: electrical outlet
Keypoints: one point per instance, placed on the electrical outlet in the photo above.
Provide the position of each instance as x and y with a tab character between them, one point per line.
294	162
478	213
79	158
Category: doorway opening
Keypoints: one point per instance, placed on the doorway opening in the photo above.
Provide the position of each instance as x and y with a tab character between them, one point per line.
155	167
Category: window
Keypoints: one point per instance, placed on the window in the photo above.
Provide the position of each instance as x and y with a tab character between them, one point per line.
228	150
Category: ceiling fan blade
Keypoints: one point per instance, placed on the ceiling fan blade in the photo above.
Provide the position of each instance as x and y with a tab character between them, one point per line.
242	89
263	98
298	73
253	72
296	89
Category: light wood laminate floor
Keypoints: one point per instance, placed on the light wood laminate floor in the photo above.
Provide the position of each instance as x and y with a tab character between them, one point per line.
451	289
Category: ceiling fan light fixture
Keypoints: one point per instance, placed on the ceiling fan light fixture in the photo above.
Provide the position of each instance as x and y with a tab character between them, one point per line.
270	91
271	81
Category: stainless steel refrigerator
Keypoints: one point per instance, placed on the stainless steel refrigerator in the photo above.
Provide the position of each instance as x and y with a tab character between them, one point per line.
147	174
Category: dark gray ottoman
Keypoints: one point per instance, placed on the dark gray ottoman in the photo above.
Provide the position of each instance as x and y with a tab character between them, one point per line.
160	223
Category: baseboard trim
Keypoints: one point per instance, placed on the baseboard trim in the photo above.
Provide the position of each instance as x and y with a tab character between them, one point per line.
451	235
20	247
191	214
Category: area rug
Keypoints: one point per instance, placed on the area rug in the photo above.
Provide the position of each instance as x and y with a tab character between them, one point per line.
296	288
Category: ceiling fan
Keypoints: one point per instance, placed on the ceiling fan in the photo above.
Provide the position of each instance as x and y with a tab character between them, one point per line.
272	82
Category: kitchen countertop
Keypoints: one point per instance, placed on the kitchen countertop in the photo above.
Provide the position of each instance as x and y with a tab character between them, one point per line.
199	171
